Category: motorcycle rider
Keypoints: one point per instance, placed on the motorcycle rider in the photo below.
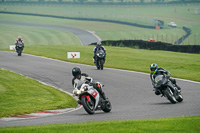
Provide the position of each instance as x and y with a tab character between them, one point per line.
98	47
20	42
155	71
78	76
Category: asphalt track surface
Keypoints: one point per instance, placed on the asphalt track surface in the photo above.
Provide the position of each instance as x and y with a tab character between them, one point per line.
130	92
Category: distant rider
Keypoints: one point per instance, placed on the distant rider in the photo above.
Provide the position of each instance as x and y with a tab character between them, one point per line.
78	77
155	71
19	42
98	47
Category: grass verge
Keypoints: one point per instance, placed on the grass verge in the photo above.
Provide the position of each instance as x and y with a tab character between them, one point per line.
166	125
22	95
35	36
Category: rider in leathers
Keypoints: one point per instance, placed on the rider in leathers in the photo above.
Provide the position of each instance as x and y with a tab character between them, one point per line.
78	76
98	47
155	71
19	42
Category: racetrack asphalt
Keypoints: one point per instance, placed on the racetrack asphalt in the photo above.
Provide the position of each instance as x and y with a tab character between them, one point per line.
130	93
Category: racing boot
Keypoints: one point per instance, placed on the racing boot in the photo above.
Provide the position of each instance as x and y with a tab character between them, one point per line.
178	87
174	82
79	102
157	92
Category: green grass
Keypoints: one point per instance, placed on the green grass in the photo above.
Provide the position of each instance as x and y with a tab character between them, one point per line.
166	125
22	95
106	31
181	65
136	14
35	36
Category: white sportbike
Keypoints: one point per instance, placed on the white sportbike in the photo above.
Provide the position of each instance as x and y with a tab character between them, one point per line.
90	98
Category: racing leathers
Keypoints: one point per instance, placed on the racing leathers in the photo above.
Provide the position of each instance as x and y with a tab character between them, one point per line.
162	71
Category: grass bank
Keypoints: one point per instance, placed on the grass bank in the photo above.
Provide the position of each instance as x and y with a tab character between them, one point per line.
166	125
181	65
22	95
35	36
182	15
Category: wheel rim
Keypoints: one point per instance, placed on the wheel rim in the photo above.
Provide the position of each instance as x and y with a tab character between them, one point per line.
90	104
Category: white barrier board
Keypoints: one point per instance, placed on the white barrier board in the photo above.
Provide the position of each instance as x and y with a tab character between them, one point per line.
73	54
12	47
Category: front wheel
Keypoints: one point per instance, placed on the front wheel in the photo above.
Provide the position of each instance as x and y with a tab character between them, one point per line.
168	93
98	64
101	64
19	51
88	106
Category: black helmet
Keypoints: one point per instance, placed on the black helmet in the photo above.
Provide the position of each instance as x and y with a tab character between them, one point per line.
76	71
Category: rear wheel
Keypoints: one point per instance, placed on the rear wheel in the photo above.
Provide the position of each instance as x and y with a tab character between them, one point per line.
88	106
170	95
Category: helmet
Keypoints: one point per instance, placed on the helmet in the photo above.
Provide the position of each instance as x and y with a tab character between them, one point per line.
154	68
19	37
99	44
76	71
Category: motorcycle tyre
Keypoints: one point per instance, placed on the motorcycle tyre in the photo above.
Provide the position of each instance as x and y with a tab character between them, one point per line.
86	105
169	95
19	51
101	64
98	64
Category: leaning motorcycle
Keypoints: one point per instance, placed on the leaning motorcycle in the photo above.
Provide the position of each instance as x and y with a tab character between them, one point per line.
100	59
168	89
91	99
19	49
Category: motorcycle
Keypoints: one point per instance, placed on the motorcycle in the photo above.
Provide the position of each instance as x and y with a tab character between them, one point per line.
19	49
91	99
168	89
100	59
